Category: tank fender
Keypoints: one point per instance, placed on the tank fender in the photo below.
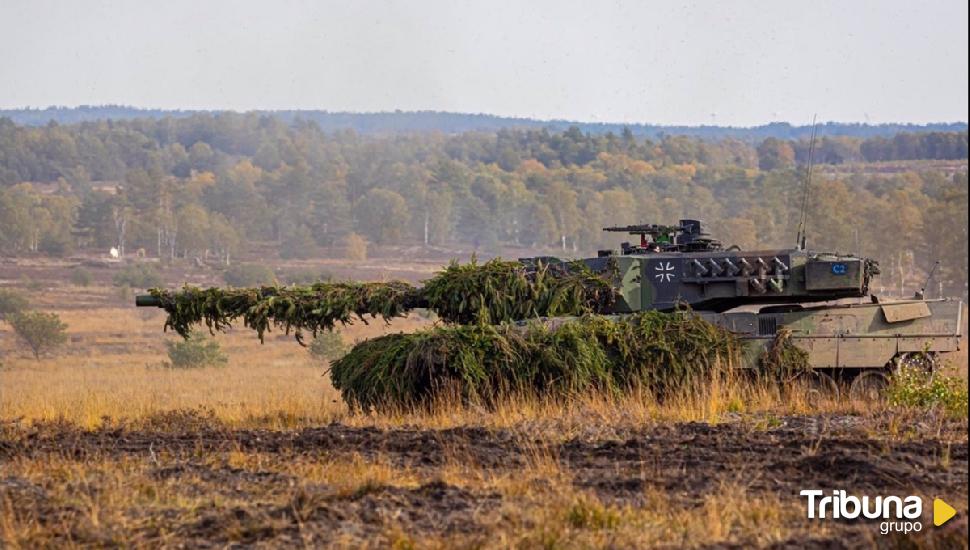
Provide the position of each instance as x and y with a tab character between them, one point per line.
897	313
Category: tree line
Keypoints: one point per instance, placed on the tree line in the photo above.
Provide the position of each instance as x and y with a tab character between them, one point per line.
383	123
214	184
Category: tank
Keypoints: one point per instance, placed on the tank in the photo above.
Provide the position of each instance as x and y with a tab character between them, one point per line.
818	301
821	300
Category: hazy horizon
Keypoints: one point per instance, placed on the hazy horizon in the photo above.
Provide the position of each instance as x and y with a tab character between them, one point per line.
636	63
496	115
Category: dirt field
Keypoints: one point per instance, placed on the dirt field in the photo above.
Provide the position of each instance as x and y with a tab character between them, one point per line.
187	480
99	446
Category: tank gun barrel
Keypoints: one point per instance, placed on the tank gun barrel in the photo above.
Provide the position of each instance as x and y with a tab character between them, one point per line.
147	300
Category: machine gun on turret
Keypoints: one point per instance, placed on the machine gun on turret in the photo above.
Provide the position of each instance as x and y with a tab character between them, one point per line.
688	236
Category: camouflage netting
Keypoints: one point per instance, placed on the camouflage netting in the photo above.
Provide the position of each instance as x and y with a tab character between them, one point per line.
299	309
654	351
500	291
478	354
782	359
494	292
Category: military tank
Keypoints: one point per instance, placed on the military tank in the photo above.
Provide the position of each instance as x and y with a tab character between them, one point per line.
819	302
822	301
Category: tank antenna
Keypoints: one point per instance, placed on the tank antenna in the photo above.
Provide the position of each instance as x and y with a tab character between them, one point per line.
922	290
803	214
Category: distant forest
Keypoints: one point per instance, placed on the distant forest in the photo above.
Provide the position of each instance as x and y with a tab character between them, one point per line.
213	185
455	123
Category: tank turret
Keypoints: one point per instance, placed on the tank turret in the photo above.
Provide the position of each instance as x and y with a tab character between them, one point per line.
682	265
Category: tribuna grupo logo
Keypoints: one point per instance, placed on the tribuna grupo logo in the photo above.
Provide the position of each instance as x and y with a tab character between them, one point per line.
897	514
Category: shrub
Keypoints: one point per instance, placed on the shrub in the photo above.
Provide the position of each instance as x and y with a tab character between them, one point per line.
138	276
355	247
80	277
194	352
915	387
11	303
42	332
328	346
249	275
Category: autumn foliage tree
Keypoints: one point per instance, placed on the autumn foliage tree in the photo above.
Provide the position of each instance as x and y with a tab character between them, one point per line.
774	154
219	186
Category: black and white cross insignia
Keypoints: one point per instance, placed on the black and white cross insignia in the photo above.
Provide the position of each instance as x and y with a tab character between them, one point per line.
665	271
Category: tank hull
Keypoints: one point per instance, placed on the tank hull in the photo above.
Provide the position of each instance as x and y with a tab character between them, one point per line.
851	337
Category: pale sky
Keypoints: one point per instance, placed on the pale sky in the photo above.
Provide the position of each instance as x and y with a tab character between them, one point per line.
720	62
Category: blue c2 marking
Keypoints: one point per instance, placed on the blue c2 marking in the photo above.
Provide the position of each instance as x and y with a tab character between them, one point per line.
839	269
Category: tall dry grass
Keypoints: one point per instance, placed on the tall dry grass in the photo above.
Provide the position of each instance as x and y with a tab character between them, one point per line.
298	393
283	396
109	369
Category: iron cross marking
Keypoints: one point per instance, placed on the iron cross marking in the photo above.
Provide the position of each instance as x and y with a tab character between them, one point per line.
665	272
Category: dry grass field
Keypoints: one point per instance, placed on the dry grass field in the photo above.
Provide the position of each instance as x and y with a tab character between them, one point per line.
102	446
112	368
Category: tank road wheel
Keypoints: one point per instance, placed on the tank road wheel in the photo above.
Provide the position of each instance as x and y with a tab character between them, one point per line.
818	386
869	386
921	360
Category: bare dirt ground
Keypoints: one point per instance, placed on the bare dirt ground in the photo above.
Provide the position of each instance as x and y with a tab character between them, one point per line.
196	483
